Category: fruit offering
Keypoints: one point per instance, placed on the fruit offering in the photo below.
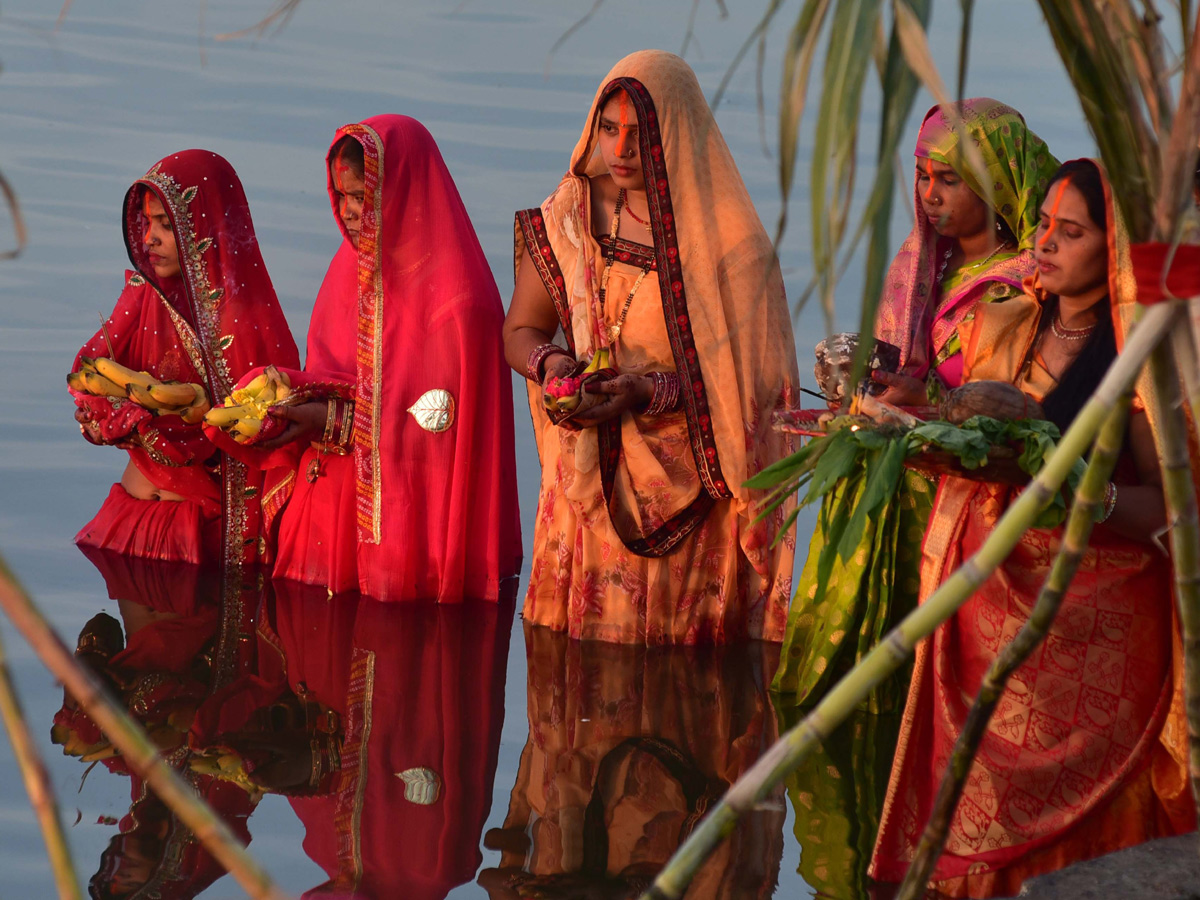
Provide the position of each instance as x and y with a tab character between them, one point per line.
103	377
245	414
566	395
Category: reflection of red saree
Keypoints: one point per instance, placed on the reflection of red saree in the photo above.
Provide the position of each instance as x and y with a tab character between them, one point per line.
1086	751
210	325
415	510
420	692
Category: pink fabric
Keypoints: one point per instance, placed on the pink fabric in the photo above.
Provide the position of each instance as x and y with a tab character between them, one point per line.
217	320
410	513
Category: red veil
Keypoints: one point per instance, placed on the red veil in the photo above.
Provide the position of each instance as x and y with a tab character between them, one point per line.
217	320
411	512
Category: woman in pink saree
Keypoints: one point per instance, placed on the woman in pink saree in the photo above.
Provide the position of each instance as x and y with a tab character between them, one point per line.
403	484
198	307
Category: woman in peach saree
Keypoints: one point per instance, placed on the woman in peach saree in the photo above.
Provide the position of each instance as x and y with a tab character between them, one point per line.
651	249
1086	751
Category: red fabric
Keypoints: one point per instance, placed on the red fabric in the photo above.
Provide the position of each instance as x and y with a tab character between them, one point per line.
1149	262
217	320
166	530
409	513
417	686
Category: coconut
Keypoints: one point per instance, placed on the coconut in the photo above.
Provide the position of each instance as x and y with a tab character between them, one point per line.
997	399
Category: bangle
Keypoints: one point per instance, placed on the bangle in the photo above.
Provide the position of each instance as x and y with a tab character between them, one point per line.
666	393
535	366
346	430
1110	501
330	422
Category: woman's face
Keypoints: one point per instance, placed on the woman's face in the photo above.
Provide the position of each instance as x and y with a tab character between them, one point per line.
159	237
955	210
619	142
348	191
1071	249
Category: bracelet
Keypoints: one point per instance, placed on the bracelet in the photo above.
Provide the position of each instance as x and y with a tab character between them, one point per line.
346	430
666	393
1110	501
534	367
330	422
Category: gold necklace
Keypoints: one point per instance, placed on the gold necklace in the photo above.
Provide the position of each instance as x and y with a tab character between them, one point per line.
612	332
1063	333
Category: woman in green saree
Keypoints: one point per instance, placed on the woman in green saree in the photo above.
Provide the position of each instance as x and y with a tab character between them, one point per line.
971	243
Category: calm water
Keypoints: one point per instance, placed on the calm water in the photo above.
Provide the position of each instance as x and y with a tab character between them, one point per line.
87	109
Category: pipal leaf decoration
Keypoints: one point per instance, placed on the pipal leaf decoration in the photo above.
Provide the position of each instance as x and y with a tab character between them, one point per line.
136	280
189	194
204	244
226	342
421	785
216	294
250	491
434	410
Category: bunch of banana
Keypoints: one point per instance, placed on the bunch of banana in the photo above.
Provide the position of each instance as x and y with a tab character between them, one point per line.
107	378
246	410
564	395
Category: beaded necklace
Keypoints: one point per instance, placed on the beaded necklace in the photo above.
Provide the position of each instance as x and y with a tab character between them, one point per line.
1063	333
613	332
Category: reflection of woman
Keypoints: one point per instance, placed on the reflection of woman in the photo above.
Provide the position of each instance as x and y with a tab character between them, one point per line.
410	491
651	248
1085	752
628	747
420	693
960	253
199	307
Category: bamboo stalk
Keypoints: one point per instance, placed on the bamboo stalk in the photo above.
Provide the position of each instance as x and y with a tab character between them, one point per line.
136	748
793	747
1032	633
37	785
1183	519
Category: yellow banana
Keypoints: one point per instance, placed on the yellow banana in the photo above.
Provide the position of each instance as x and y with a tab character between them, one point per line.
173	393
224	416
87	364
141	396
599	361
257	383
123	375
93	383
194	414
246	429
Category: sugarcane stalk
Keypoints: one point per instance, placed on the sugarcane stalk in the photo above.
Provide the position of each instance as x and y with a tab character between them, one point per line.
136	748
793	747
1066	562
1183	519
37	785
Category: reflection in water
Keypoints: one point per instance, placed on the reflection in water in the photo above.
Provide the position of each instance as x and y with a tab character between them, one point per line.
837	794
175	646
628	747
380	723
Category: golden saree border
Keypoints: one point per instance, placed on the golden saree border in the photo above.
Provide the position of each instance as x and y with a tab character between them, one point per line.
369	350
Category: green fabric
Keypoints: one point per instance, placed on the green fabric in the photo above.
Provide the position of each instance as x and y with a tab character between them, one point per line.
837	795
869	591
1017	161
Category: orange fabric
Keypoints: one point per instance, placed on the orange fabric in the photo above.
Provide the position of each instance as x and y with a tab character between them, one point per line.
1086	752
712	311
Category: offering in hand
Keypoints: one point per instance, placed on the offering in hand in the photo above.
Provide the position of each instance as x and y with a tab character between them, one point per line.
997	399
835	359
566	396
103	377
246	412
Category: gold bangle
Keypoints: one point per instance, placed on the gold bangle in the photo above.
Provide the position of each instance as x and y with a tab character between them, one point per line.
346	432
330	422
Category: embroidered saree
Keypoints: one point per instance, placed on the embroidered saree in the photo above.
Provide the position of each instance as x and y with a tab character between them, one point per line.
1086	752
920	311
413	511
644	531
211	324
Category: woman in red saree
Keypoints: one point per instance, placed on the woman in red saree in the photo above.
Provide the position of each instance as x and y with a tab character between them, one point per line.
410	491
651	249
197	307
1086	751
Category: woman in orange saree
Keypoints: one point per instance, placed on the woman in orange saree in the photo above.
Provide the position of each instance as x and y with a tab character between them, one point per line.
650	249
1085	753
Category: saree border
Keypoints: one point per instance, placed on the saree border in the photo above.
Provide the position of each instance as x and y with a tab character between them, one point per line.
531	225
671	285
369	350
